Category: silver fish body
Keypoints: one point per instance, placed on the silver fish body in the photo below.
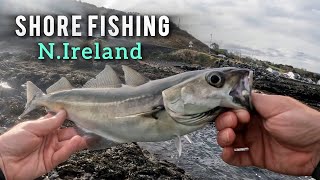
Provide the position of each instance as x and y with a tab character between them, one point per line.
146	111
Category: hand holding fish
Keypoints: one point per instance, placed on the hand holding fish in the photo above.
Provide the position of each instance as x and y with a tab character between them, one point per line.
33	148
284	138
109	112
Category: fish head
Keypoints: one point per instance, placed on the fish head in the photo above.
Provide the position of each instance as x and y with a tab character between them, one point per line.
203	97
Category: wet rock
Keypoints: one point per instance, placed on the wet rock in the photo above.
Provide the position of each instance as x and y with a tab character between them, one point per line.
5	55
121	162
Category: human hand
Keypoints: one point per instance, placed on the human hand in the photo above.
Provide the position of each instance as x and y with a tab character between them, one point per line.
34	148
284	137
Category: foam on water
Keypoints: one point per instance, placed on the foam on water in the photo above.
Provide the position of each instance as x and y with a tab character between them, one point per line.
5	85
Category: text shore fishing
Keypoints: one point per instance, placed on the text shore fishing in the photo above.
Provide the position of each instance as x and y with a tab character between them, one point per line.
66	26
97	26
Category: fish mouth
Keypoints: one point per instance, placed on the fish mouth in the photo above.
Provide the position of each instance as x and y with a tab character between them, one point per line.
241	92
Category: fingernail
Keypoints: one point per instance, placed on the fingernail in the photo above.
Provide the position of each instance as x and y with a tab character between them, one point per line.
59	113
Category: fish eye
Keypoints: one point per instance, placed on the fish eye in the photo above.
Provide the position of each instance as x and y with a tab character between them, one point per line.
216	80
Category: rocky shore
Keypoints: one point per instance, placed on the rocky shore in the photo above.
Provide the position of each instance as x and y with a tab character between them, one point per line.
127	161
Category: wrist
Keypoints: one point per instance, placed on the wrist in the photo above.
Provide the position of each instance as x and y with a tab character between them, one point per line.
316	169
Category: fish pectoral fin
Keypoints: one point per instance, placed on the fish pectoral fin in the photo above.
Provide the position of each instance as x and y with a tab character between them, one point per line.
178	145
105	79
153	113
62	84
132	77
94	141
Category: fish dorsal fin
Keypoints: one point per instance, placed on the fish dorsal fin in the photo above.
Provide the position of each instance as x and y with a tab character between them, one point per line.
105	79
61	85
133	78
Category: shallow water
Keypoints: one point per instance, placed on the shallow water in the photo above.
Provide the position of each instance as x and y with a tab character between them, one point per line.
202	159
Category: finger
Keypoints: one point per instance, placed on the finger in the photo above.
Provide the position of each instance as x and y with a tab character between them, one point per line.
226	120
67	149
45	126
66	134
231	157
242	115
229	139
83	143
46	116
226	137
270	105
227	154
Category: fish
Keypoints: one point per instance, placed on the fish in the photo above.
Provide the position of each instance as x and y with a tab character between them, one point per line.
109	113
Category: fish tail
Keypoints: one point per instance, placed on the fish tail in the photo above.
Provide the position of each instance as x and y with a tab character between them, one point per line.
33	93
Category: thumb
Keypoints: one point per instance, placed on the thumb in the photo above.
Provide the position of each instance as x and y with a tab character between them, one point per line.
270	105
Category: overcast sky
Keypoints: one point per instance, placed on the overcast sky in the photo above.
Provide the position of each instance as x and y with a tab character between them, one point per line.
281	31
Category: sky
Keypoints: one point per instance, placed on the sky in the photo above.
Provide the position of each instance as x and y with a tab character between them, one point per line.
280	31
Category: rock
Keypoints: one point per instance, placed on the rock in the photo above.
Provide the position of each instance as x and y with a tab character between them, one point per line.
121	162
5	55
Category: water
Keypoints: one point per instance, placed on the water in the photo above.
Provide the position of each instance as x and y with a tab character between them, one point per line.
4	85
202	159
